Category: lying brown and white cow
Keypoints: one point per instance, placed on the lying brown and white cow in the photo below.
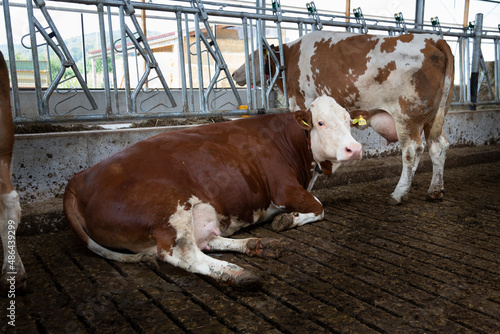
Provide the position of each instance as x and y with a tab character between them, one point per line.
179	193
13	273
405	83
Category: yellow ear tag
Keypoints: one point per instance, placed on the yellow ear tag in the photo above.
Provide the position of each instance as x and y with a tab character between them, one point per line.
305	123
359	120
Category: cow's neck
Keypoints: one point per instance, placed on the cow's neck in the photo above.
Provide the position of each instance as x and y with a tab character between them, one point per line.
293	144
318	167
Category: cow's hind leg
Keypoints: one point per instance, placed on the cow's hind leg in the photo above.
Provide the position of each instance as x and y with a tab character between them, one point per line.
188	256
438	145
186	252
265	247
412	149
13	273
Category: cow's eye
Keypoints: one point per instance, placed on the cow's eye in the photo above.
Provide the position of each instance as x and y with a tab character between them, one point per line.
320	123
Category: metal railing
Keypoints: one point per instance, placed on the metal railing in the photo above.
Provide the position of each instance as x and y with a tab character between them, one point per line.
220	96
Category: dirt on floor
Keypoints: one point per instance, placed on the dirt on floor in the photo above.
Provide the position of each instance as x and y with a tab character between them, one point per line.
366	268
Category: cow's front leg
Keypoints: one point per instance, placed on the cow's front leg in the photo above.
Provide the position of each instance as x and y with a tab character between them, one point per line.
262	247
303	208
286	221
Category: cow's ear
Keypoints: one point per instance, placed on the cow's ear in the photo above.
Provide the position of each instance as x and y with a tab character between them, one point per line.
304	118
359	118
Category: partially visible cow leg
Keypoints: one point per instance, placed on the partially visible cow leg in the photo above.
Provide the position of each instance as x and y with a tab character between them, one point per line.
305	208
438	145
412	149
186	251
287	221
265	247
13	273
188	257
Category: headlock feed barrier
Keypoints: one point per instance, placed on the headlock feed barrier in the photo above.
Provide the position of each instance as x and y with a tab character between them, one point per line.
190	73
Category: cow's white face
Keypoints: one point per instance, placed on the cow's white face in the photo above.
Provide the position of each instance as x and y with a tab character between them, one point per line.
330	132
239	76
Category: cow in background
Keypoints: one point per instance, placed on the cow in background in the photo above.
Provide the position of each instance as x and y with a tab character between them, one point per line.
400	86
13	273
183	192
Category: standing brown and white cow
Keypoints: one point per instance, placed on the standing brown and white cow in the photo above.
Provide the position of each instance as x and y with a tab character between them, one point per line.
13	273
403	84
179	193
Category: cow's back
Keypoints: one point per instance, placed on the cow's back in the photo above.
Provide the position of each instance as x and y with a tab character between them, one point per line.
365	71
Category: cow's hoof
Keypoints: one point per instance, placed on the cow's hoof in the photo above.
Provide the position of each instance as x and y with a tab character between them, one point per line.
282	222
436	196
266	247
247	281
392	201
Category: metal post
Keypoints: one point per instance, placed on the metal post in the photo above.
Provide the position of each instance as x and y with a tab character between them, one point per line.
203	105
188	52
113	63
252	64
247	61
260	38
462	68
36	65
12	59
419	14
84	53
497	69
126	74
104	55
261	4
476	53
180	41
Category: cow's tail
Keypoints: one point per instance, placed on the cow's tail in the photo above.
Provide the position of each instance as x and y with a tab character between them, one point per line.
449	74
77	223
445	102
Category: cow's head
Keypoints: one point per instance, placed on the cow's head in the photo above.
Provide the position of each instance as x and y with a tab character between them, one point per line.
330	131
239	76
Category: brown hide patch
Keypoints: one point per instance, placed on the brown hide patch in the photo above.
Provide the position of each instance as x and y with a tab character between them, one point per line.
337	67
326	167
389	43
384	72
165	240
429	79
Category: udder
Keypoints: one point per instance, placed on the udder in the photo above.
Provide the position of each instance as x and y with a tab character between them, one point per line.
383	123
206	225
